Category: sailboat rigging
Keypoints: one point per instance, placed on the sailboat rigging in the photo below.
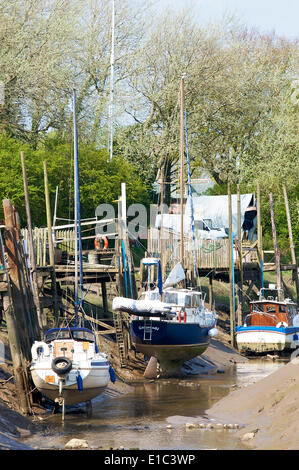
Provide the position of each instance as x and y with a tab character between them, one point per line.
78	304
171	324
67	365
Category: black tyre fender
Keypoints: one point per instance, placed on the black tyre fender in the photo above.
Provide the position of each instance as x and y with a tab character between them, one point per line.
61	365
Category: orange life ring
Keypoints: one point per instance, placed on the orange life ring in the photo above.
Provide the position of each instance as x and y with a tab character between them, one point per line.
105	240
179	316
97	244
185	317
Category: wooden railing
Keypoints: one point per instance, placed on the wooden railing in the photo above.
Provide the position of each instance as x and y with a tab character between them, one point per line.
64	239
209	253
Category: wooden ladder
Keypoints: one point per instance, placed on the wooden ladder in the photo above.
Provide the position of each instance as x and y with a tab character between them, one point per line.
117	318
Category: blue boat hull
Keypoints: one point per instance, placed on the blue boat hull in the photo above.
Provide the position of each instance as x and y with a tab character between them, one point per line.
171	343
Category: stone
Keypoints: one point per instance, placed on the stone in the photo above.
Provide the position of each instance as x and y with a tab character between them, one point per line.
169	426
202	425
248	436
76	444
190	425
210	426
24	432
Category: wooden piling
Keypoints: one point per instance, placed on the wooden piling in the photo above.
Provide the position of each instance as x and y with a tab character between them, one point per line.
50	242
31	247
49	221
292	247
211	293
182	146
276	250
104	296
161	227
240	256
260	253
231	267
15	315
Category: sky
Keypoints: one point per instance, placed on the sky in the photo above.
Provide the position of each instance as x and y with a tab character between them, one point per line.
281	16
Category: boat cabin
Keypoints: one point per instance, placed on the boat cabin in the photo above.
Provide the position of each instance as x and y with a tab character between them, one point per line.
184	298
66	341
78	334
271	313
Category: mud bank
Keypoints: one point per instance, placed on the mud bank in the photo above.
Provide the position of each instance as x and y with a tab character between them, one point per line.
14	426
267	410
217	358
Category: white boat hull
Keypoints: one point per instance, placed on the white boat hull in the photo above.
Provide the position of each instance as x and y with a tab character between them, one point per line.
263	340
94	382
69	369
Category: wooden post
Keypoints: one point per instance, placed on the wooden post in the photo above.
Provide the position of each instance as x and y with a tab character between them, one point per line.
48	210
16	325
231	267
104	296
240	253
182	142
292	247
50	240
211	277
161	227
31	247
276	250
259	234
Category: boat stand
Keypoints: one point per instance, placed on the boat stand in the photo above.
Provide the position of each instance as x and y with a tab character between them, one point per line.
89	408
60	400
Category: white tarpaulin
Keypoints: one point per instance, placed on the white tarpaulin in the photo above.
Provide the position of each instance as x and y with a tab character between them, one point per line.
212	208
215	208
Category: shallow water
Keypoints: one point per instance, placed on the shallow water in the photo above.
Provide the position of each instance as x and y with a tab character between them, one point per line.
139	419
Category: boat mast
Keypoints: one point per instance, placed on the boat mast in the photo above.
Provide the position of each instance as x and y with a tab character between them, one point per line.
182	127
77	223
191	200
110	138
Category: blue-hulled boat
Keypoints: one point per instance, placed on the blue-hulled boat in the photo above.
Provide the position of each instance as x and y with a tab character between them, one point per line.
173	330
179	336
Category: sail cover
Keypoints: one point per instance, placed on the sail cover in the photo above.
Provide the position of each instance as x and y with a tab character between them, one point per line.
140	306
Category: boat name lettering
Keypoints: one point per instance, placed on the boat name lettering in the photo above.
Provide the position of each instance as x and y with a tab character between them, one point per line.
157	328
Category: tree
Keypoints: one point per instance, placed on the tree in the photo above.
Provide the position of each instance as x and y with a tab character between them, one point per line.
34	42
100	182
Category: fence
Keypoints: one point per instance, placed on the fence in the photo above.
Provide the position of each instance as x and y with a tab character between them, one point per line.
209	253
64	239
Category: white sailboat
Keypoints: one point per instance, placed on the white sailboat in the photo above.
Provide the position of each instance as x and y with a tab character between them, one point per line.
67	366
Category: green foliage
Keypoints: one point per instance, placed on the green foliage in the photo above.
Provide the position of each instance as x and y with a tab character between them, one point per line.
100	181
